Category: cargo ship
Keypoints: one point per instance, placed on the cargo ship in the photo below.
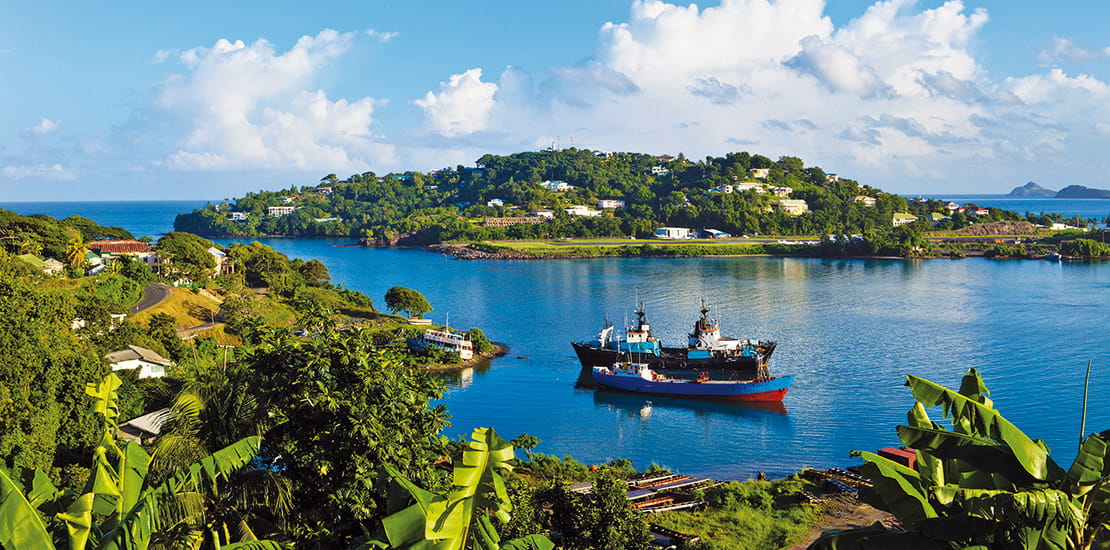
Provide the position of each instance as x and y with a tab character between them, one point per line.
706	349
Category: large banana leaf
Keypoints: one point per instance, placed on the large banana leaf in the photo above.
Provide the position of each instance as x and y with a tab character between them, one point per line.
980	420
930	467
477	483
1038	518
899	487
462	519
105	397
21	526
983	455
1089	465
179	498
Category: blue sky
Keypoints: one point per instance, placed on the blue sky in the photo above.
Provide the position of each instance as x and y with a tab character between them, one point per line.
205	100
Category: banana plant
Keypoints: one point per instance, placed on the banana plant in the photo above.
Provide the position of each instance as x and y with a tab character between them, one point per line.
983	483
462	518
118	509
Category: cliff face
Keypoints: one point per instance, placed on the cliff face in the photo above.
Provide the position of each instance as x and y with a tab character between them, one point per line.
1031	189
1080	192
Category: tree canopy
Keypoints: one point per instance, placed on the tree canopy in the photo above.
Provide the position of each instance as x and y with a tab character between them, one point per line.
413	303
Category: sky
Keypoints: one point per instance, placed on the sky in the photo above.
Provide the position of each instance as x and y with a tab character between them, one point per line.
206	100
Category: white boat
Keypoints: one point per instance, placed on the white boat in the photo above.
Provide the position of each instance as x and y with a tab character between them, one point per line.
448	340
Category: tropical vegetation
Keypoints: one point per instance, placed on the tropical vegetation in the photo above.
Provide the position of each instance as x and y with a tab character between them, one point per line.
982	482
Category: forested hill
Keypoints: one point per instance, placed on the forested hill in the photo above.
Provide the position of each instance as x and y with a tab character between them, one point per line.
739	193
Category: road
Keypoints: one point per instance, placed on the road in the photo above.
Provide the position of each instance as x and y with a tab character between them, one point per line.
153	295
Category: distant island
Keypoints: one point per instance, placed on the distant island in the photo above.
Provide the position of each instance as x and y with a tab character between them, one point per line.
1080	192
1031	189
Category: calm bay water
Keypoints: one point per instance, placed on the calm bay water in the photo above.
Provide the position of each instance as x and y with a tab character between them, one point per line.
849	330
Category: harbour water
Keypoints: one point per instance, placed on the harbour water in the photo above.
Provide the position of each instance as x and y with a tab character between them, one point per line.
848	329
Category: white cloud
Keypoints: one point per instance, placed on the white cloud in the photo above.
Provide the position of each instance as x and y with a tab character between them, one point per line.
251	107
892	95
1064	50
460	106
382	36
43	128
53	172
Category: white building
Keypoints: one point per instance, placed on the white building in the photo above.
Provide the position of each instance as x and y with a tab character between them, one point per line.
326	191
794	207
760	172
831	178
749	186
672	233
237	216
544	213
149	363
865	200
495	202
278	211
610	203
579	210
660	171
902	218
557	185
783	192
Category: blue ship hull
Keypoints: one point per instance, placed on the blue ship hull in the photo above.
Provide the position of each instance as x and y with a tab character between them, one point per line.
772	389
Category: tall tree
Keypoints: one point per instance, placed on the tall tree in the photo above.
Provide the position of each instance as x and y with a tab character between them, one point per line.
413	303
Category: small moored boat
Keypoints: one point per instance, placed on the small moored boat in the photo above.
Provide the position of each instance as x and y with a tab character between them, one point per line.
640	378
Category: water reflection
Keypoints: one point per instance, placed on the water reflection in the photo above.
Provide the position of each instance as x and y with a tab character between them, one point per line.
634	404
464	377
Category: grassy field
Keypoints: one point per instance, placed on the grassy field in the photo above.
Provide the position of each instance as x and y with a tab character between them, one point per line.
186	307
747	515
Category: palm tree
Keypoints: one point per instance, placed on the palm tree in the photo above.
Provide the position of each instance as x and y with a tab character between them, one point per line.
75	251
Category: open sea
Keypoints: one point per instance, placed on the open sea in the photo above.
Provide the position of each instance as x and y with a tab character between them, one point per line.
848	329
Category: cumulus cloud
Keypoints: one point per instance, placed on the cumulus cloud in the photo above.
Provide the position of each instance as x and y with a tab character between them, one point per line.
249	107
461	105
1064	50
839	69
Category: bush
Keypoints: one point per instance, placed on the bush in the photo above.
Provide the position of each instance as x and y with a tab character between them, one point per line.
735	494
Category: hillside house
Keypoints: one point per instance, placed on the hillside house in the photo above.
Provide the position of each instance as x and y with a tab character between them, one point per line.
783	192
610	203
660	171
325	191
495	202
865	200
951	206
237	216
831	178
749	186
666	158
579	210
794	207
109	250
761	173
902	218
279	211
544	213
149	363
557	185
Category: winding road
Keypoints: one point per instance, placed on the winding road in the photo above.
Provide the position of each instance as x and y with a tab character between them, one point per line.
153	295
